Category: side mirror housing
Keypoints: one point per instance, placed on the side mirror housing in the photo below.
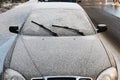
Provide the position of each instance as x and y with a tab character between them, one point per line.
14	29
101	28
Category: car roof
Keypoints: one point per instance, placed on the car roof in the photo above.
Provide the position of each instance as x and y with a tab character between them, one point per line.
63	5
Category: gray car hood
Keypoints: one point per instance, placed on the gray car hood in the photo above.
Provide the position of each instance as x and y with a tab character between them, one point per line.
35	56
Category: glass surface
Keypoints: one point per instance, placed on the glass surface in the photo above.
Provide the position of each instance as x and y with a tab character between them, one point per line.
71	18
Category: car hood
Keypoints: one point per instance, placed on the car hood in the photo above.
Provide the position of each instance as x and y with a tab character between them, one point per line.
35	56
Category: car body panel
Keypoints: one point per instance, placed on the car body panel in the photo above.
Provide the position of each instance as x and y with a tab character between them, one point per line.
36	56
6	44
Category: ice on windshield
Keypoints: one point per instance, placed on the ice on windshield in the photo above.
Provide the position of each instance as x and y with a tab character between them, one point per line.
63	17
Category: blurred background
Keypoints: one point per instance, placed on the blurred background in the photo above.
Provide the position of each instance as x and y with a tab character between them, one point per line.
8	4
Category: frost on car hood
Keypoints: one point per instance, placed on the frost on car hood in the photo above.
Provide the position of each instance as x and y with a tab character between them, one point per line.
5	44
56	56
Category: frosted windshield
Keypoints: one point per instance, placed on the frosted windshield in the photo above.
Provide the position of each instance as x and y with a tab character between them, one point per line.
63	17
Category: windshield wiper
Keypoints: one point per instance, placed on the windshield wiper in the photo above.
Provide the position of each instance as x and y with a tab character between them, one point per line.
53	33
65	27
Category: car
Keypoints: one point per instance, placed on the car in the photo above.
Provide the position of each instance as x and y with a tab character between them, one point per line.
58	41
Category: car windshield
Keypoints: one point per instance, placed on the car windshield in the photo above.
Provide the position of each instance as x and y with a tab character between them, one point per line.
59	0
61	22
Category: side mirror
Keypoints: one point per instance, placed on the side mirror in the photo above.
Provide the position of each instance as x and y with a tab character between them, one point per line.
101	28
14	29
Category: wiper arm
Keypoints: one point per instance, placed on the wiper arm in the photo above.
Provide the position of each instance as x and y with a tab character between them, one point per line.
65	27
53	33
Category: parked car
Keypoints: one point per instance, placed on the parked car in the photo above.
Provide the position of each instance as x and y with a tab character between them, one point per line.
58	41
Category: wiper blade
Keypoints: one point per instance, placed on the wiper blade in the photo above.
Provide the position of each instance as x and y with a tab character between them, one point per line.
65	27
53	33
